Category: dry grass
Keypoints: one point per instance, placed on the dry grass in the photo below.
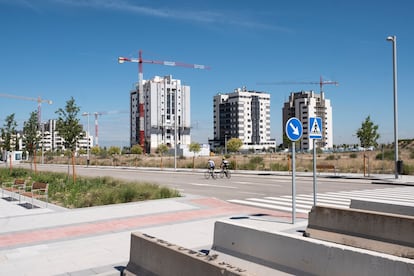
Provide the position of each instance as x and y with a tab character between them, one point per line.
345	162
349	162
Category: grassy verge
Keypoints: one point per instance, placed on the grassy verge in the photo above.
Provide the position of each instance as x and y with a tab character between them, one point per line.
87	192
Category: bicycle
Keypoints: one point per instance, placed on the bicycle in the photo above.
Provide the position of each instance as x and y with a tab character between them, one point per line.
225	172
210	173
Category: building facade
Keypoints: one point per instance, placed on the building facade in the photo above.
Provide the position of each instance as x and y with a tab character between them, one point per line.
50	140
166	110
245	115
304	105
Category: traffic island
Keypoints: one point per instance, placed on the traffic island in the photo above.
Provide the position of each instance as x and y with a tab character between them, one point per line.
150	256
296	254
382	232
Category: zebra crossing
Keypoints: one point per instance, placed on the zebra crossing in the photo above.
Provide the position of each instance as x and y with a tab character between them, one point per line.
304	202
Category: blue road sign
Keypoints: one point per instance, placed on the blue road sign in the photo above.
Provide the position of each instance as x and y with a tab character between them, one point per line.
315	128
294	129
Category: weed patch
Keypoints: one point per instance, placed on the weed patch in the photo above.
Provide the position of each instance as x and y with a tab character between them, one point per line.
87	192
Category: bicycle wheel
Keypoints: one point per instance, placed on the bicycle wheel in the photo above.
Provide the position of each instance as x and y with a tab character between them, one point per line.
207	174
228	174
221	174
214	175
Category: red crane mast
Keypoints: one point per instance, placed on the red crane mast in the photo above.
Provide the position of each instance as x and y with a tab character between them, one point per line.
140	61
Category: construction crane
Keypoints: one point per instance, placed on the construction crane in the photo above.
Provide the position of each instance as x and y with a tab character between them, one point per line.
97	114
39	101
321	83
140	61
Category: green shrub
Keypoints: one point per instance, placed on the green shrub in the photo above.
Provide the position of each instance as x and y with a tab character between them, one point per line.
87	192
408	170
278	167
387	155
248	166
353	155
330	157
256	160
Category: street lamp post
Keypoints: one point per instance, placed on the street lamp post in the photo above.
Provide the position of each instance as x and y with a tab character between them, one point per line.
87	138
393	39
43	142
225	144
175	126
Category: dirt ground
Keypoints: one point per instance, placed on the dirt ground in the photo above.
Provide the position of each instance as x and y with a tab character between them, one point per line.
368	162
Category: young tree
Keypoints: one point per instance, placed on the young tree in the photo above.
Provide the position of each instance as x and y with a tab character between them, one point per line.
30	136
95	150
136	149
234	144
69	128
114	150
194	147
368	133
8	131
161	149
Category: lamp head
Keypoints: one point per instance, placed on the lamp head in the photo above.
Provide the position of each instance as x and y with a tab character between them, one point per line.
390	38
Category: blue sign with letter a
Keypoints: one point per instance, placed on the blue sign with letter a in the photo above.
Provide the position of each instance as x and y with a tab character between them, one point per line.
315	128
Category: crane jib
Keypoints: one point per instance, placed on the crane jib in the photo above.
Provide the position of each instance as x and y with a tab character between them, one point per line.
169	63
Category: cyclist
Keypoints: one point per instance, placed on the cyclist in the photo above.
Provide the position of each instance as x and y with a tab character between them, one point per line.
224	168
211	166
224	164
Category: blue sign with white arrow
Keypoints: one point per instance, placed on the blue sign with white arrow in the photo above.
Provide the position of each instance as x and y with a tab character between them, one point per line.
294	129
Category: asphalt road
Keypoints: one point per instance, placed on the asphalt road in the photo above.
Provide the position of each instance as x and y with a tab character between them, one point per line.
241	185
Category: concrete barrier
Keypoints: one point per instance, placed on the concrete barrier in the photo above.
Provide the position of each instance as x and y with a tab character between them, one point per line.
298	255
150	256
382	232
382	207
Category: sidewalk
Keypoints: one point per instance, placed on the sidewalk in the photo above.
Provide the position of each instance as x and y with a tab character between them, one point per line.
96	240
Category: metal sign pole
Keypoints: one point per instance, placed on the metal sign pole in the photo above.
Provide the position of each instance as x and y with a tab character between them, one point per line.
314	173
293	183
315	130
294	132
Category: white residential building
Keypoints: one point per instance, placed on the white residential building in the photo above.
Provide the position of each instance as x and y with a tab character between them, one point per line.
51	141
166	110
245	115
304	105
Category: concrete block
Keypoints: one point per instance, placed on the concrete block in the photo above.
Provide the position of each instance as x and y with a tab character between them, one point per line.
382	232
298	255
150	256
382	207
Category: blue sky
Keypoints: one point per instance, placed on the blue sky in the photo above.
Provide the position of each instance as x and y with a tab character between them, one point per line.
56	49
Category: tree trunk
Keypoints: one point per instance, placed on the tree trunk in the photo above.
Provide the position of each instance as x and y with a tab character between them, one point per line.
34	160
73	167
